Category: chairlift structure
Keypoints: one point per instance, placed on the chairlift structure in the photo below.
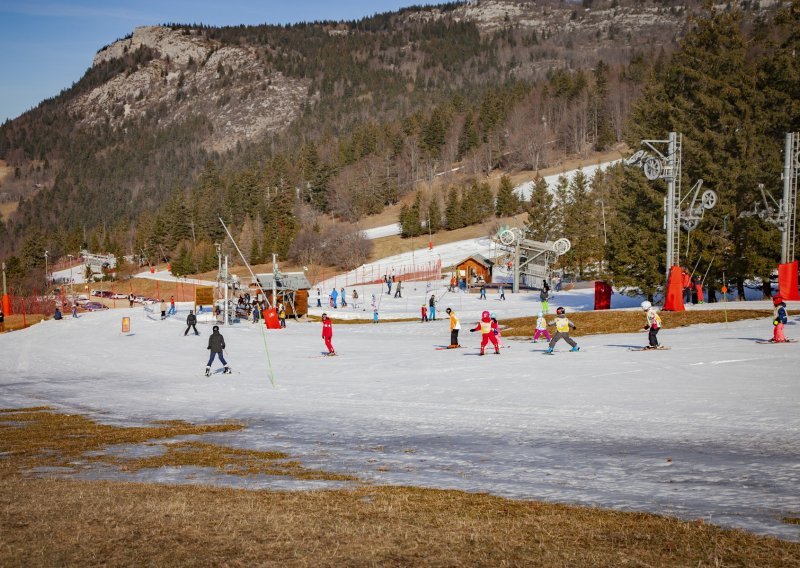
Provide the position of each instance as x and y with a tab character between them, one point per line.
528	257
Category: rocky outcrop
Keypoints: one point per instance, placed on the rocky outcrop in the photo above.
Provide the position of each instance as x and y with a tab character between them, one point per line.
230	86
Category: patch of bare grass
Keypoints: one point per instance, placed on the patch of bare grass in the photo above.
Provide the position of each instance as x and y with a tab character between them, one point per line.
92	523
88	523
37	437
629	321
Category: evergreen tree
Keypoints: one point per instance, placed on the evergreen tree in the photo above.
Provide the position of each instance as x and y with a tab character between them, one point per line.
581	225
453	217
561	203
468	138
507	202
540	212
636	239
434	215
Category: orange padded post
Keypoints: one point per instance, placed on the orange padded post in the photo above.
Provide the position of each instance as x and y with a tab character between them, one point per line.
787	281
673	302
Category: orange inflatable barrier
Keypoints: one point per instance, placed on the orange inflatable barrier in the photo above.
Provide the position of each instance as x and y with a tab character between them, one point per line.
787	281
673	302
6	304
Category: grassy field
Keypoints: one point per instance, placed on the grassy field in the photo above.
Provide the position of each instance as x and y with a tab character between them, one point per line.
69	522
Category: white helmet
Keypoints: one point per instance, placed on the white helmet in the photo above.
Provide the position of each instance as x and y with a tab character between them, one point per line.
646	305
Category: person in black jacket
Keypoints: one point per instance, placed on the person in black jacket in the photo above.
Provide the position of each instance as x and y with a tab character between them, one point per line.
191	322
216	344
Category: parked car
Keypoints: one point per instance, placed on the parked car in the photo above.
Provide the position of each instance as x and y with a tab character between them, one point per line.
94	306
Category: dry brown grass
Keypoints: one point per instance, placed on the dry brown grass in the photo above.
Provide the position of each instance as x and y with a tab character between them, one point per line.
17	321
67	522
38	437
627	321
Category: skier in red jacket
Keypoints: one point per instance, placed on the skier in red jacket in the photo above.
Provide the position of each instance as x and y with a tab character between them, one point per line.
327	333
485	327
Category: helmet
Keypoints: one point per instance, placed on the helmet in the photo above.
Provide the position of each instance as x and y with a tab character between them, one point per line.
215	328
448	310
324	316
560	311
494	315
485	315
540	314
646	305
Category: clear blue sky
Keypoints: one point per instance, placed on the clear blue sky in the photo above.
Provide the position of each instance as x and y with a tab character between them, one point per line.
45	46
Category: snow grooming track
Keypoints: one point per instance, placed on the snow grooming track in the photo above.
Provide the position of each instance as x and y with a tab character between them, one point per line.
689	436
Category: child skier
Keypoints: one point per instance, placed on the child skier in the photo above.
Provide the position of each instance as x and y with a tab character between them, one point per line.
563	325
541	328
375	315
216	344
424	314
544	298
653	325
778	322
455	327
485	327
327	333
496	330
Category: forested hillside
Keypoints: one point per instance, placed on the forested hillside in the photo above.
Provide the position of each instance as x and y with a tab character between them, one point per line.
291	133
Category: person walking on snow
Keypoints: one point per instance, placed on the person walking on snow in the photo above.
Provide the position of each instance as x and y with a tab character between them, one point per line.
455	327
502	292
191	322
563	325
327	333
779	321
75	310
541	328
163	308
424	312
334	297
397	293
485	327
483	292
344	299
216	344
653	324
432	308
375	315
171	311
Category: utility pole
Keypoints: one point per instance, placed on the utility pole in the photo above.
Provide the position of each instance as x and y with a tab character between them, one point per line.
71	291
46	279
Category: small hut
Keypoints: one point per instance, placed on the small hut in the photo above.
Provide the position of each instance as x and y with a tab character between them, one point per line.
291	290
475	269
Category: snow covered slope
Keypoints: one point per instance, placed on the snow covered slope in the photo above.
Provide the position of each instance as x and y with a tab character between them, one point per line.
710	429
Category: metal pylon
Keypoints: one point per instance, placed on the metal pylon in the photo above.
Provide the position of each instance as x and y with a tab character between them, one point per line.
791	172
672	221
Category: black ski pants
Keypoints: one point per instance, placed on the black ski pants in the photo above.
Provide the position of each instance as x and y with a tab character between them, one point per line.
651	337
191	326
454	337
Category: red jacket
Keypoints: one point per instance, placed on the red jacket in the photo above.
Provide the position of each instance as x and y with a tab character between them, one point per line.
327	328
686	280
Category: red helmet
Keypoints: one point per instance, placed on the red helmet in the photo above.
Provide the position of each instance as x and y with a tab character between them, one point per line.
485	316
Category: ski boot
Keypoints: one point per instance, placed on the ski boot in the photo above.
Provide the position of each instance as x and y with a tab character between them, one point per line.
208	371
576	348
549	350
227	371
497	352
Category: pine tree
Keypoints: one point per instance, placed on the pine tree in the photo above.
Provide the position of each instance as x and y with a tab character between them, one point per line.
453	217
507	203
636	239
541	224
434	215
581	225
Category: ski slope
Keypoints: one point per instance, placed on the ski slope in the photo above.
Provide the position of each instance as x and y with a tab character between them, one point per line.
708	430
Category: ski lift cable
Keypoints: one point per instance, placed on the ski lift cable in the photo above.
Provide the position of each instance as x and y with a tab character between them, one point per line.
261	290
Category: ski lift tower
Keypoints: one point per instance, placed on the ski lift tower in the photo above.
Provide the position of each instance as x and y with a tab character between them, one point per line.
667	166
783	213
528	257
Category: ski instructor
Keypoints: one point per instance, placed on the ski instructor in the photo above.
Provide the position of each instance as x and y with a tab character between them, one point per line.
216	343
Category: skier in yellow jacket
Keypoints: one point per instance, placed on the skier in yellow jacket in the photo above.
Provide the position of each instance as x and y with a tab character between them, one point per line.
563	325
455	327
